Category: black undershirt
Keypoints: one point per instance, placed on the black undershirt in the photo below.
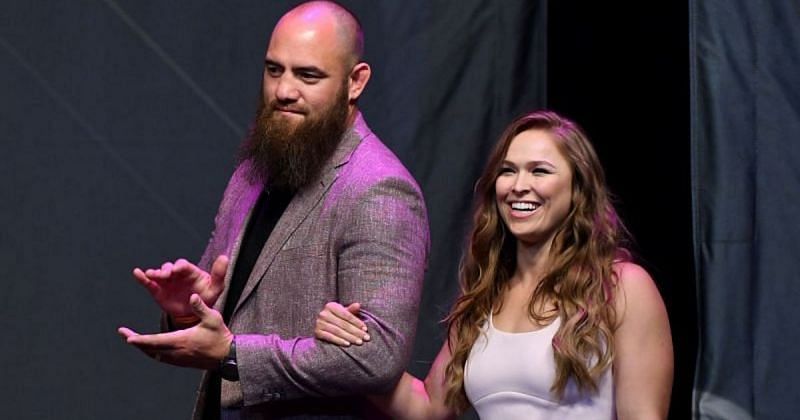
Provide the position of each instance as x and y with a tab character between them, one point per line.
268	210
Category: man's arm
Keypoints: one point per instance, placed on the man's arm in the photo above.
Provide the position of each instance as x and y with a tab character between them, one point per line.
383	243
411	398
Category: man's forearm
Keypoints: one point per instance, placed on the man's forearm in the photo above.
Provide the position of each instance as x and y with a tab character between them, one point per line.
302	367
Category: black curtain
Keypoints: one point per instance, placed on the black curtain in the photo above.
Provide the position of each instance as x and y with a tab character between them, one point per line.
120	122
746	198
621	71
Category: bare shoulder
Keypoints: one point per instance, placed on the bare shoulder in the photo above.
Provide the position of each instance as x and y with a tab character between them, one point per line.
633	280
637	294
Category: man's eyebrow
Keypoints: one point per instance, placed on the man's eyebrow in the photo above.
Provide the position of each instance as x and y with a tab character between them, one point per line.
310	69
298	69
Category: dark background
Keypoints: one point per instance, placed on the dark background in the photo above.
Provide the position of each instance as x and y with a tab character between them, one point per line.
622	73
120	121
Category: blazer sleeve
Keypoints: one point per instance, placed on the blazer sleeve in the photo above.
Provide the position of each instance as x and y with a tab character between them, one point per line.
382	244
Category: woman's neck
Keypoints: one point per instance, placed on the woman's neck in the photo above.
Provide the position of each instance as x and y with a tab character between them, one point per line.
532	262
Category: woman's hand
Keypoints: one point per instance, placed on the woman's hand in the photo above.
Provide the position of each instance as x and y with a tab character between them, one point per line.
339	325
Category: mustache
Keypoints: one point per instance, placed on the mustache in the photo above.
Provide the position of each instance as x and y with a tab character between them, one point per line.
276	106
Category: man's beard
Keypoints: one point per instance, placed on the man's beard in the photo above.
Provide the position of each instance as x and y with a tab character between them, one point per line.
288	155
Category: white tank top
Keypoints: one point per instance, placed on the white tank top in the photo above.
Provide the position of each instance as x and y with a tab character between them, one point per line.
508	376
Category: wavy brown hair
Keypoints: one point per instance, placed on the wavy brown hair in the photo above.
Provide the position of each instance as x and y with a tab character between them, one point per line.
580	280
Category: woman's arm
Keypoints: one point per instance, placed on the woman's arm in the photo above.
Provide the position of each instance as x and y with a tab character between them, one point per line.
643	347
411	398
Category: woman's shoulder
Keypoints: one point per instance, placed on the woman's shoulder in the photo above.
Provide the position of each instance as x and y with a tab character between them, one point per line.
628	272
636	292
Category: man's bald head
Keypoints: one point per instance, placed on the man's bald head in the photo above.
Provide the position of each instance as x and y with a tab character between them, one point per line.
350	37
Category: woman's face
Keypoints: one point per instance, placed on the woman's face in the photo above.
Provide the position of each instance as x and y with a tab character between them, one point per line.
534	188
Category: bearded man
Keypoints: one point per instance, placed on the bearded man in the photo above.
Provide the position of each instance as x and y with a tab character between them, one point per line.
317	210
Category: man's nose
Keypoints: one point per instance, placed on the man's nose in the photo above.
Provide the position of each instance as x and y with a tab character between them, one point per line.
286	91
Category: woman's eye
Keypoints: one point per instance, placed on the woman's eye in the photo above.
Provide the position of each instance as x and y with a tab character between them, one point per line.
540	171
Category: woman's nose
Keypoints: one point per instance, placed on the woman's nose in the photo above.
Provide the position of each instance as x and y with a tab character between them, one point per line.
521	184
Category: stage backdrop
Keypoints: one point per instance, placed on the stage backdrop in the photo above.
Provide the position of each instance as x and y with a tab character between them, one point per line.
120	121
746	193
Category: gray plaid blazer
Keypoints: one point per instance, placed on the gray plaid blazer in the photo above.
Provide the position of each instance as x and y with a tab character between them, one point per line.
359	234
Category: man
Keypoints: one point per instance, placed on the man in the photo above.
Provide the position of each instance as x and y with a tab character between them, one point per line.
318	210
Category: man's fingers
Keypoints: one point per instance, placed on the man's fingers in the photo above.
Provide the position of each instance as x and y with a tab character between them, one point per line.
208	316
142	279
150	343
198	306
157	273
138	274
182	266
218	270
126	332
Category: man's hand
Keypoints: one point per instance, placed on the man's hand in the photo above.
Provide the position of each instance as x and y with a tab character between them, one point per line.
173	283
202	346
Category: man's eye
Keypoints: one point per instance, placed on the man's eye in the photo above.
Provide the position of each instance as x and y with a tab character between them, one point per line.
309	77
273	70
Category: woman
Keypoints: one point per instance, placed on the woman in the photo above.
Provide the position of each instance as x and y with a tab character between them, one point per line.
554	320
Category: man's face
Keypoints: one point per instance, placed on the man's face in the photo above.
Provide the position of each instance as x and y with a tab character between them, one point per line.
305	66
305	107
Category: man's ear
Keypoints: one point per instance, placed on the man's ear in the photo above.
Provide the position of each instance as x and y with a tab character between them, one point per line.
357	80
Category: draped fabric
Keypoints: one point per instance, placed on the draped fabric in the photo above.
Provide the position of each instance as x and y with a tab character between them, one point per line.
120	122
745	100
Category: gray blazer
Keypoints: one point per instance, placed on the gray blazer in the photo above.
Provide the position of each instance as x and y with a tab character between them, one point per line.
359	234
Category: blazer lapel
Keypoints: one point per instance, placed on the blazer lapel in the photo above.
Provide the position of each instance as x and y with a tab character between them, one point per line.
241	215
301	206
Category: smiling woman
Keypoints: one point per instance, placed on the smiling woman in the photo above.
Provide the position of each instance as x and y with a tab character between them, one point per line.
533	187
554	320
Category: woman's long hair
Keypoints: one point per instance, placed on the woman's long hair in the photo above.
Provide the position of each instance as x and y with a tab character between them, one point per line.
580	280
